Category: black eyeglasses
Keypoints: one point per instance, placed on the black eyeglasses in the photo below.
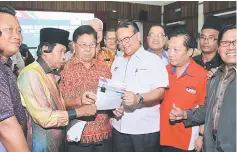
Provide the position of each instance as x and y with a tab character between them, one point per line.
209	39
227	43
125	40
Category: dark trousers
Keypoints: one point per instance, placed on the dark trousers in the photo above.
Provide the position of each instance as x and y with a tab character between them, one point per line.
136	143
173	149
104	146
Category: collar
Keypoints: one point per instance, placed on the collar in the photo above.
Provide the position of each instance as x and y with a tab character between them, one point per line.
138	54
75	60
163	53
7	63
44	65
187	71
216	60
222	68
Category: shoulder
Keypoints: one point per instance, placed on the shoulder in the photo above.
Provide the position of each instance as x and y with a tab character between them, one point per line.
199	71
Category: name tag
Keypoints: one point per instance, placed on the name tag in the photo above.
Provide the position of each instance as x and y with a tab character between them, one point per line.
190	90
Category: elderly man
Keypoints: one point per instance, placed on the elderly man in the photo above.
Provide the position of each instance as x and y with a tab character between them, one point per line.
157	39
104	55
210	57
40	95
82	74
12	113
138	129
187	89
219	111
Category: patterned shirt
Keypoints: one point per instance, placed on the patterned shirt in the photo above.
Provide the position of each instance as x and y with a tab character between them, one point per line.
10	100
75	80
225	80
216	61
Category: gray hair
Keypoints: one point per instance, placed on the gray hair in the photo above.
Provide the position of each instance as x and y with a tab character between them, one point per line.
93	20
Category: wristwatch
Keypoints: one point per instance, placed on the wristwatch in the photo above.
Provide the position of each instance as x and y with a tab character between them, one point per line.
140	99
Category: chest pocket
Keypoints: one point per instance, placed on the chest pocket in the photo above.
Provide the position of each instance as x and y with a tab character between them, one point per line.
142	80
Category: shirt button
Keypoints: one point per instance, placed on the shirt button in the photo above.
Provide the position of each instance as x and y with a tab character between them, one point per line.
205	67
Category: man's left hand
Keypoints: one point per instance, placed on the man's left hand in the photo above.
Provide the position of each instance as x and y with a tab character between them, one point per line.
199	144
130	99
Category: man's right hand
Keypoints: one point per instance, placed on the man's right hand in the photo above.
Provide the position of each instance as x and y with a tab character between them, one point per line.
86	110
177	114
88	98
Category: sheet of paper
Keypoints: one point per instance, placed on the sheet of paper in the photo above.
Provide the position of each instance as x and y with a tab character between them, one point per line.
109	94
74	133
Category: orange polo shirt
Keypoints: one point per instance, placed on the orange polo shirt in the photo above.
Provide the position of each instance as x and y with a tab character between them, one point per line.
186	92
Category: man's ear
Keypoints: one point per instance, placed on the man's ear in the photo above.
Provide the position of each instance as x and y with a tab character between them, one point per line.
139	36
45	49
190	52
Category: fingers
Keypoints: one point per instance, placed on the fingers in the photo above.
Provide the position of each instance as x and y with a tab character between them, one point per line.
90	95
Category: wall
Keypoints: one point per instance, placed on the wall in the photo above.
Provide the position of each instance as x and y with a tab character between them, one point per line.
189	12
102	10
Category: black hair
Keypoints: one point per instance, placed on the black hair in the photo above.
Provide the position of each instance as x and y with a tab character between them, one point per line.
126	23
84	29
224	30
189	39
7	9
50	48
109	30
163	27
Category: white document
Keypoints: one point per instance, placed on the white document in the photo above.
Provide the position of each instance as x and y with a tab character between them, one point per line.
109	94
74	133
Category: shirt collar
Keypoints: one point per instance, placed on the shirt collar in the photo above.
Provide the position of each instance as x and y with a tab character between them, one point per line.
75	60
7	63
187	71
44	65
163	53
137	54
216	60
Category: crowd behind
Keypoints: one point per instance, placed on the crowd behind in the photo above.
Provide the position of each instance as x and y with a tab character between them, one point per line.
177	98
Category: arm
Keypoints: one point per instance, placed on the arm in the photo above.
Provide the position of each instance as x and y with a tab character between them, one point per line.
37	104
154	95
11	135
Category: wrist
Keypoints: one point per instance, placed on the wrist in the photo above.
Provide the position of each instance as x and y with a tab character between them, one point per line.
184	114
200	134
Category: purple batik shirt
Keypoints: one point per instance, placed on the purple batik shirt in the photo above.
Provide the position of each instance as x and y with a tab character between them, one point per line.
10	100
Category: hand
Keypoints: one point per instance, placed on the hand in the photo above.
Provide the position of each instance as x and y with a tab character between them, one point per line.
177	114
198	144
86	110
88	98
211	72
130	99
118	112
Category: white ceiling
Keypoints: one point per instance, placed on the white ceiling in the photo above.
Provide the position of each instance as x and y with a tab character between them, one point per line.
160	3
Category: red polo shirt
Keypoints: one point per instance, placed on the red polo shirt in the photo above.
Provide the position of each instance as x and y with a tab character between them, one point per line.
186	92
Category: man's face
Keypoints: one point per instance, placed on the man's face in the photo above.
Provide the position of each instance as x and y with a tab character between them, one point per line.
85	47
57	57
177	52
228	51
208	40
128	40
110	40
96	25
70	46
11	37
156	38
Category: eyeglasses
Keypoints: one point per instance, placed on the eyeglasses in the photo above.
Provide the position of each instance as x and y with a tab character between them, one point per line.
153	35
227	43
125	40
209	39
84	46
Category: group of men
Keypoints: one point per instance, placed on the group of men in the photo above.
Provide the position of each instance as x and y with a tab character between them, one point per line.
169	104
